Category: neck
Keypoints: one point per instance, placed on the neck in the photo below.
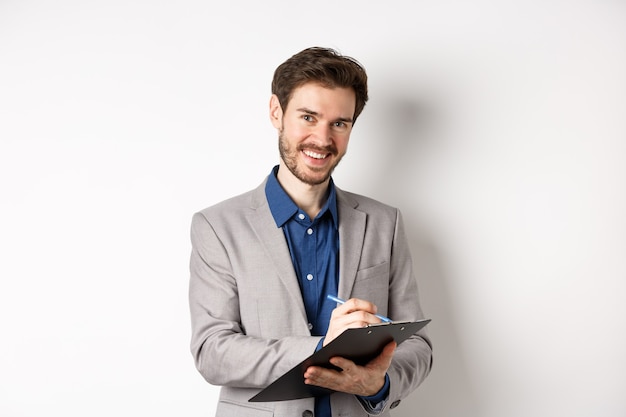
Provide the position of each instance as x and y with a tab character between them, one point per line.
310	198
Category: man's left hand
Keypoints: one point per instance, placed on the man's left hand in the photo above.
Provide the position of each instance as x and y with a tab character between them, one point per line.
365	380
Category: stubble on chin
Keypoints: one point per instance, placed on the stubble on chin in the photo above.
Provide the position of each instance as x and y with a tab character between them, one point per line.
290	158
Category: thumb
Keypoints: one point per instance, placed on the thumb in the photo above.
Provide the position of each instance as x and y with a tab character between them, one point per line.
385	357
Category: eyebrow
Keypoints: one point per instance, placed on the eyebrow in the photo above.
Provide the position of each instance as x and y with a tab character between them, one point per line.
314	113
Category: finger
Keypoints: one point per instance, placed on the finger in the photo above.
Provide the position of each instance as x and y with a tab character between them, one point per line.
390	349
356	304
321	377
344	364
354	320
357	318
384	359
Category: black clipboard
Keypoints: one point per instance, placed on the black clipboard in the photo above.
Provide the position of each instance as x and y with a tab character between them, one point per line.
359	345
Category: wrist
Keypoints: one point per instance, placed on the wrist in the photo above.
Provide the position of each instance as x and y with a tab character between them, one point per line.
381	394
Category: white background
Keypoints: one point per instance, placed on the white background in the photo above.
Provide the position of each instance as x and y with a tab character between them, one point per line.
498	127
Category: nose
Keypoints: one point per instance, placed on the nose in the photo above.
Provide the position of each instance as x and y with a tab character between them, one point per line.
323	134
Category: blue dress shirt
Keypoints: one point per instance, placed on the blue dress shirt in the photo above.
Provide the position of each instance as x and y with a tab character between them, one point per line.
314	248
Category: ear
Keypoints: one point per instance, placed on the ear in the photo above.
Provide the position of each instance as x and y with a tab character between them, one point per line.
276	112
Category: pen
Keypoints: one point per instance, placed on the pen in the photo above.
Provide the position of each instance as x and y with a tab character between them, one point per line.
340	301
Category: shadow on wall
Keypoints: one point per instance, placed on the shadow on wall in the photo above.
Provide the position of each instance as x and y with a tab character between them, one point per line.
418	125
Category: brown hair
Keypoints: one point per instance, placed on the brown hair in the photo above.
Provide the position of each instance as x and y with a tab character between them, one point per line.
321	65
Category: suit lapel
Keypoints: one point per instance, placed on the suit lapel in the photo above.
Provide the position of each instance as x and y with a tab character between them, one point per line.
274	243
351	237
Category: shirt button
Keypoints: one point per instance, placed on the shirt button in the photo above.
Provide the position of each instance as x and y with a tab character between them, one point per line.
309	231
307	413
310	326
309	277
301	216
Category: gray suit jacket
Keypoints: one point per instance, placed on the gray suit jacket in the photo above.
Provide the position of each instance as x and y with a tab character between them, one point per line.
248	320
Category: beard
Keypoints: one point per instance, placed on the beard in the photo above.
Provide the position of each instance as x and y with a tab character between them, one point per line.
308	175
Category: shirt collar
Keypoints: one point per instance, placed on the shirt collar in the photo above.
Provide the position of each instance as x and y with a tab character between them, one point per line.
282	206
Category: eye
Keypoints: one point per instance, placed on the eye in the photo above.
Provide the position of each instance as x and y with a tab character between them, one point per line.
307	117
341	126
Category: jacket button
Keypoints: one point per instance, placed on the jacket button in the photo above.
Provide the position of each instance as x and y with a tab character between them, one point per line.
394	404
307	413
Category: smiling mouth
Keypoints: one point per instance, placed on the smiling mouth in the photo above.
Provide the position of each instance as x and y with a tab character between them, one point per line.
314	155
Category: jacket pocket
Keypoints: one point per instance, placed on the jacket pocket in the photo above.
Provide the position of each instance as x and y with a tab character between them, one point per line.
378	273
372	284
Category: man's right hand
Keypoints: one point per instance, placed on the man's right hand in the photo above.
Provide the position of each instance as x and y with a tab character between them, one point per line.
354	313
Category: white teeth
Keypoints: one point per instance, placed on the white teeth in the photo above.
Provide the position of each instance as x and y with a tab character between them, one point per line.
314	155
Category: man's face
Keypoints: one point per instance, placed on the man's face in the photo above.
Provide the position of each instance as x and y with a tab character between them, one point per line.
314	130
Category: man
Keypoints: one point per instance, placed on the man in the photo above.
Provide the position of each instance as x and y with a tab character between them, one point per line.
262	263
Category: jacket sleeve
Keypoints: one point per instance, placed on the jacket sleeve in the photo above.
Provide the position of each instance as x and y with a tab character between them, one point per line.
413	358
224	351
